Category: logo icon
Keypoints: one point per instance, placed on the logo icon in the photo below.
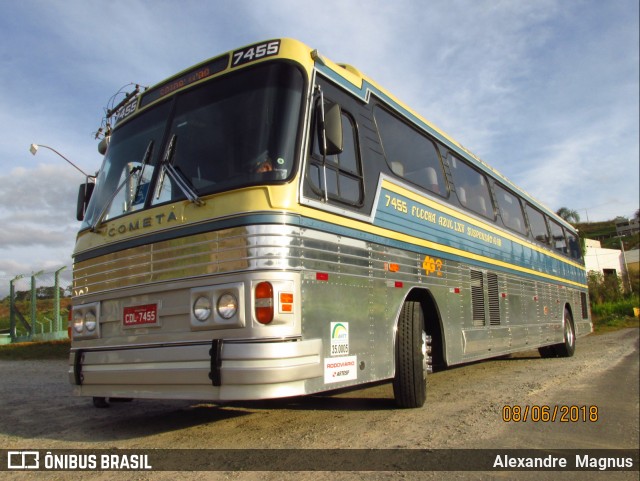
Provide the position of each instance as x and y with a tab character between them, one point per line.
339	338
23	460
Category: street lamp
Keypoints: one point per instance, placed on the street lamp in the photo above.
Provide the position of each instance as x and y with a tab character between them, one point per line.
34	149
86	189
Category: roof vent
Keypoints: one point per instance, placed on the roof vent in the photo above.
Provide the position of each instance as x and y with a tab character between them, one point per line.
351	68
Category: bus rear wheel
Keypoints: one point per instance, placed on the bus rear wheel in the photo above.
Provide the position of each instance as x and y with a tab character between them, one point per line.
568	347
410	381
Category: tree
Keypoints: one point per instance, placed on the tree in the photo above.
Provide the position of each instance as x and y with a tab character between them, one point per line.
604	288
568	215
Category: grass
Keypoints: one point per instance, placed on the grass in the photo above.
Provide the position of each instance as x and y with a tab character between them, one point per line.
613	323
609	316
25	351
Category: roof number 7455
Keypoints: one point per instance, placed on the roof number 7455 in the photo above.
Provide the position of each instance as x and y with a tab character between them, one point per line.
256	52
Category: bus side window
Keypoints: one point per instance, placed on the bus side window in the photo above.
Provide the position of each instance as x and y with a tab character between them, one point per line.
539	229
557	236
409	153
510	210
471	188
573	244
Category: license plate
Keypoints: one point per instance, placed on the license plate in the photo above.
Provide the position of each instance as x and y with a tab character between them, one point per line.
140	315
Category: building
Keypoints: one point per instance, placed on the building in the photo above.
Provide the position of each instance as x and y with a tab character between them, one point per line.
625	227
613	262
606	261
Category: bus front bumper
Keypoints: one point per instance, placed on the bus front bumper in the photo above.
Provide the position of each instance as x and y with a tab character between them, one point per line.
216	371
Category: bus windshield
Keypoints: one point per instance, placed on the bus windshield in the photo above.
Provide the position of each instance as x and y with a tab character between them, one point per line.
228	133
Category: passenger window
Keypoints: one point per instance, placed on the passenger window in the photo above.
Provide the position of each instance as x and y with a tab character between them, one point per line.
471	188
410	154
538	226
343	171
510	210
557	237
573	244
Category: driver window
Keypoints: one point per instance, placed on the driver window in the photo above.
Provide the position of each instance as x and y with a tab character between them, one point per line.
343	171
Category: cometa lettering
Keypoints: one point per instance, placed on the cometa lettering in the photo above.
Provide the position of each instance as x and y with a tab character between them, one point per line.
142	224
545	462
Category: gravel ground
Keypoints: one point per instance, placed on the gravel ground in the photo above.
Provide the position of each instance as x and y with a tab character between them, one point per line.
464	410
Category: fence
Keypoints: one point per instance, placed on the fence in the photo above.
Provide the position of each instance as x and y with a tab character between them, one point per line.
36	308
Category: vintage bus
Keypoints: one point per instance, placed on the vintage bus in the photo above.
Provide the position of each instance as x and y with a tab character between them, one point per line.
269	224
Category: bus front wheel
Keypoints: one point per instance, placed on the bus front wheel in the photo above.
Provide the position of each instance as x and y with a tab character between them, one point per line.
410	381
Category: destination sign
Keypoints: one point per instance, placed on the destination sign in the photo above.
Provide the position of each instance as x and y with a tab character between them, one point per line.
176	83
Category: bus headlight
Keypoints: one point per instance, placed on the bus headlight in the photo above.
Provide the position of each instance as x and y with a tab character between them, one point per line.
219	306
86	321
90	321
202	308
227	305
78	325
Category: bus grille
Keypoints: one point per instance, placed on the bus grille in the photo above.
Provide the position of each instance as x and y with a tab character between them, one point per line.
477	298
494	299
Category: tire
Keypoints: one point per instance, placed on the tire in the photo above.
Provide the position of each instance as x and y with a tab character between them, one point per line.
410	381
568	347
100	402
547	352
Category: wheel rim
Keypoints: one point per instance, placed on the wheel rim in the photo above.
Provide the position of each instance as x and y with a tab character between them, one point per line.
568	333
425	355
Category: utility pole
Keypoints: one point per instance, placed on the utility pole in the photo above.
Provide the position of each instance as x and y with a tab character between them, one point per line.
626	271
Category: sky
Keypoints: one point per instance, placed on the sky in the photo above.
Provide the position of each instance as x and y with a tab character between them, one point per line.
545	91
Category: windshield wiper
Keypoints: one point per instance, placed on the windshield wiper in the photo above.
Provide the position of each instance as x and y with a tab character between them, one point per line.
107	206
145	161
176	175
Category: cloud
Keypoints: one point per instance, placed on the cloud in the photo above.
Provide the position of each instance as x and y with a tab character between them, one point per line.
37	208
45	191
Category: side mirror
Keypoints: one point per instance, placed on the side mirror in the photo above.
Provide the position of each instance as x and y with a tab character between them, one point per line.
84	195
104	144
332	130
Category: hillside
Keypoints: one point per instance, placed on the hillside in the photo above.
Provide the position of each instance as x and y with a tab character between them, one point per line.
605	232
